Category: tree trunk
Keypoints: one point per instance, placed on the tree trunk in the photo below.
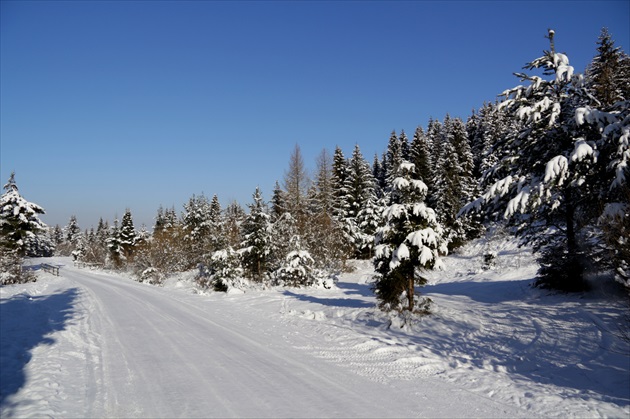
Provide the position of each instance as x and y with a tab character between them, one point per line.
570	220
410	293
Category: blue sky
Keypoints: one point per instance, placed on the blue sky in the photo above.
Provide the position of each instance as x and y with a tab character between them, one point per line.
113	105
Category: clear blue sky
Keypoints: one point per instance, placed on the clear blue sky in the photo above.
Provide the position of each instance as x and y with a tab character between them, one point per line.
114	105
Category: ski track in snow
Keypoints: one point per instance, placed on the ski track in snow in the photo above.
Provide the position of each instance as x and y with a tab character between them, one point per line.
96	344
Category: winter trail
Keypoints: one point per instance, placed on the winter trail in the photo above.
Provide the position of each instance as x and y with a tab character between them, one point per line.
149	352
104	345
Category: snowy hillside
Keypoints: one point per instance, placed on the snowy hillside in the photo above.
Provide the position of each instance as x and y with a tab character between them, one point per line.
93	343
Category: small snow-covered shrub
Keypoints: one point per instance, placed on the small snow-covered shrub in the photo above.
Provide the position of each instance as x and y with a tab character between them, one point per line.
297	269
152	276
223	270
226	264
322	279
489	260
11	271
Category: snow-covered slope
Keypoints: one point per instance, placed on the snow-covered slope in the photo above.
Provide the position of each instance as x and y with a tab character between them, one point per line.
96	344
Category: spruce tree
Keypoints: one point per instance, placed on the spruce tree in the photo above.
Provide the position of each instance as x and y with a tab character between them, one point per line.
116	251
393	159
420	156
558	169
409	242
257	244
216	236
127	235
20	225
337	183
608	75
358	189
196	226
278	202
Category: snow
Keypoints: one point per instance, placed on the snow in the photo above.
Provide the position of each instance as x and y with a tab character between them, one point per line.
96	344
556	169
401	253
582	150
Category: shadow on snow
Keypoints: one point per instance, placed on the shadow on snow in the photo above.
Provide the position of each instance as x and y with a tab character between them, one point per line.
26	322
332	302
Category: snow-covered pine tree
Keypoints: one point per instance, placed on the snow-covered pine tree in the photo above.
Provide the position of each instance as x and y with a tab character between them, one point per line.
409	242
404	145
492	124
72	230
358	189
323	235
281	232
608	75
379	176
20	225
559	168
216	235
196	229
297	269
225	267
256	246
278	202
116	257
420	156
369	219
393	159
435	138
128	235
337	182
467	226
447	183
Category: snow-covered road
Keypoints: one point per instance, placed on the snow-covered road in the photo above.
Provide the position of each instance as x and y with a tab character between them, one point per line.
132	350
97	344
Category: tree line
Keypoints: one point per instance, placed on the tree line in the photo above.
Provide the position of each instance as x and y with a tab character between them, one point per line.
550	160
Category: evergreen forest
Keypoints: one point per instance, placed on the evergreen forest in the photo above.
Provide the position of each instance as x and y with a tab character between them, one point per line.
548	161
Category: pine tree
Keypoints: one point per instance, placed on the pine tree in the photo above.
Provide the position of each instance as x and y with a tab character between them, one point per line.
420	156
564	162
393	159
608	75
196	228
297	269
379	176
358	189
493	124
196	220
127	235
369	219
216	236
116	251
410	241
20	226
257	244
337	182
283	229
278	202
404	145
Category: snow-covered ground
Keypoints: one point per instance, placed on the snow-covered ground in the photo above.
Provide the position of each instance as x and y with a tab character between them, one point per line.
93	343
